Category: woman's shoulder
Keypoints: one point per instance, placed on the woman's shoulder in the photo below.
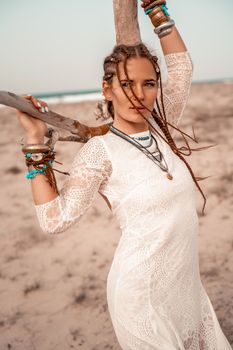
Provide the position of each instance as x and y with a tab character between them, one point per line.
99	141
95	151
93	145
103	140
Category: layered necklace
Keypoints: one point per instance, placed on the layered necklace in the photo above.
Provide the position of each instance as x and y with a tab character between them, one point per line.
156	156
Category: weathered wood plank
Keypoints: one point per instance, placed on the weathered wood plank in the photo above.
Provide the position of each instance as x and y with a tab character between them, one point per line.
126	22
73	126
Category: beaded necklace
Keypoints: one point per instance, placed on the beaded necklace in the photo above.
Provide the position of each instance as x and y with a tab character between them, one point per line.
145	138
133	140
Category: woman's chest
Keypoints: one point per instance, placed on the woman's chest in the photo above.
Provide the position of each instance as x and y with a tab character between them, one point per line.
138	177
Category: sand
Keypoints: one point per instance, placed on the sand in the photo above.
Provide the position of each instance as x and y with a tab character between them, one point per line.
53	287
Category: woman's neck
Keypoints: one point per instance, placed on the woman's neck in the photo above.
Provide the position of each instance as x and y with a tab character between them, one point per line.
131	128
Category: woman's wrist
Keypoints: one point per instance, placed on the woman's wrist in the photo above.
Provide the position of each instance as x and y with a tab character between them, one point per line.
159	16
34	139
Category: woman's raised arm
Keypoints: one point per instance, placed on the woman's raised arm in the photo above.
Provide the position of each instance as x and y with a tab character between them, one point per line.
179	65
172	43
180	69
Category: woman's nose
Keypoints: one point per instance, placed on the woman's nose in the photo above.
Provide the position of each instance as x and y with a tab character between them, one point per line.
139	92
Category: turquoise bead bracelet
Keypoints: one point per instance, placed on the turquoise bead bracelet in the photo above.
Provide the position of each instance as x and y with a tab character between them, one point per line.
164	8
149	11
31	174
28	155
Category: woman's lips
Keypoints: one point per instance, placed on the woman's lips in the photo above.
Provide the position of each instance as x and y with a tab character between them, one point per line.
140	108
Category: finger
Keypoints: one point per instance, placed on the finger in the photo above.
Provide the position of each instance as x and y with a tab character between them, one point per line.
44	106
33	100
36	102
39	104
27	97
43	103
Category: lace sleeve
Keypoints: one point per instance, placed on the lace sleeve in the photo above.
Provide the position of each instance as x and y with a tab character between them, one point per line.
177	87
91	166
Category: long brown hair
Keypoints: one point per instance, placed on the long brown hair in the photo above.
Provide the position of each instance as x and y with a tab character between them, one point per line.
121	53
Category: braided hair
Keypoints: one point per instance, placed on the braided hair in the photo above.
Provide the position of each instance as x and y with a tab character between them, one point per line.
121	53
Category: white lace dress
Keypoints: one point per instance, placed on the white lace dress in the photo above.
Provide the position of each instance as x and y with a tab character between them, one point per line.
155	296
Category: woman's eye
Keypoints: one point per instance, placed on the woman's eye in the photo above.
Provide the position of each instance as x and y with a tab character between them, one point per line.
150	84
126	84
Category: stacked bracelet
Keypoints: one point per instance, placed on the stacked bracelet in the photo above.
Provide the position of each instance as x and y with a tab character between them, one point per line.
31	174
160	18
39	159
165	28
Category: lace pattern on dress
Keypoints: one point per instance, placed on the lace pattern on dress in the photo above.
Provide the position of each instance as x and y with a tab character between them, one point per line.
177	87
91	167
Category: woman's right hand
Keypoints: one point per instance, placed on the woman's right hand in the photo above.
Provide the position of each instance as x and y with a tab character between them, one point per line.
35	129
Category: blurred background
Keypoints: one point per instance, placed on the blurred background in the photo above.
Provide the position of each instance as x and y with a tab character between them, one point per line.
53	288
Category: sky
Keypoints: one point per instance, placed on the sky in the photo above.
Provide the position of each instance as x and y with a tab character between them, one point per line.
60	45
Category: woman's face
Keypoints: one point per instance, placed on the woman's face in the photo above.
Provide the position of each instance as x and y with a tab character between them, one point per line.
143	81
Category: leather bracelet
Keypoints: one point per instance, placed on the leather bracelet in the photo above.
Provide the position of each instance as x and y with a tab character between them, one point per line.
158	17
154	11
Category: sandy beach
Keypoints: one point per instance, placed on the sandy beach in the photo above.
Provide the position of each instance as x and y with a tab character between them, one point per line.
53	287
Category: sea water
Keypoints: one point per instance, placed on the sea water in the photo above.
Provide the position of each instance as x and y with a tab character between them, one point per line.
70	96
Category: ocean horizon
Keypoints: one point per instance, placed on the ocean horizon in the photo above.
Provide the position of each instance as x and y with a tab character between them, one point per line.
70	96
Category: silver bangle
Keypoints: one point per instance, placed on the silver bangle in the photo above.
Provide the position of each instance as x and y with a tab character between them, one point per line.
164	26
36	148
164	33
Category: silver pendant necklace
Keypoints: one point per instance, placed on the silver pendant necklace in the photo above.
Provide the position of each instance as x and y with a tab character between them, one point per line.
144	150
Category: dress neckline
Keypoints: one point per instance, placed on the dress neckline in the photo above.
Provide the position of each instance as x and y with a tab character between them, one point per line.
141	133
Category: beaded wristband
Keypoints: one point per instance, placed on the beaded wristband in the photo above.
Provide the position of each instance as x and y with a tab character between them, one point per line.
31	174
163	7
39	159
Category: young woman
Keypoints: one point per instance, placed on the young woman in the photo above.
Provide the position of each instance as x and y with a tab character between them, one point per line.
155	295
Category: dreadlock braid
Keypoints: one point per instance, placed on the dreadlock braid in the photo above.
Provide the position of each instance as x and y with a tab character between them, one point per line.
121	53
173	146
